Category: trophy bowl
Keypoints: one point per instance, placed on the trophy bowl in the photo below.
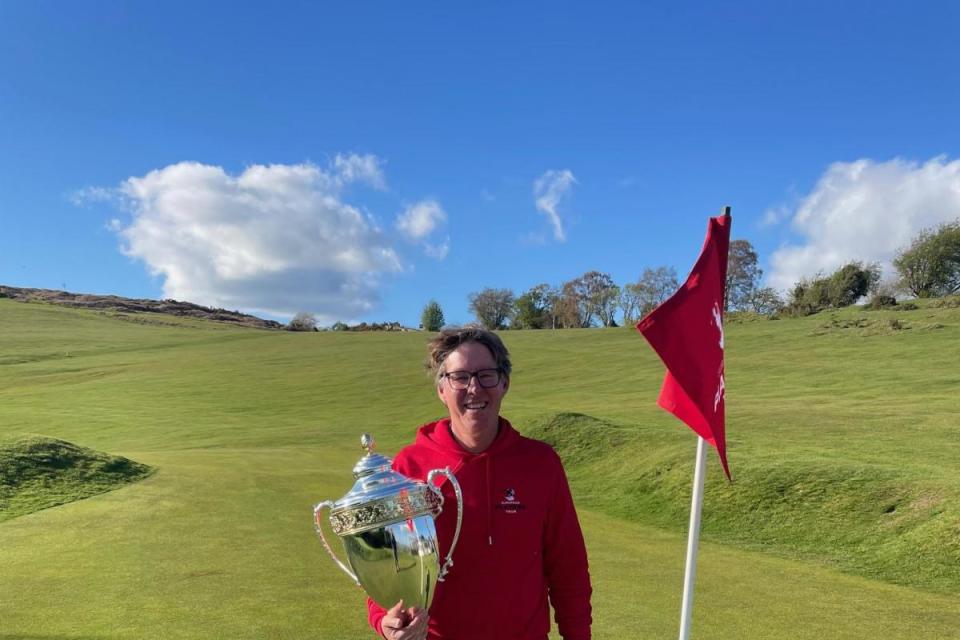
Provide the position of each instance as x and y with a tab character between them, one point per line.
386	525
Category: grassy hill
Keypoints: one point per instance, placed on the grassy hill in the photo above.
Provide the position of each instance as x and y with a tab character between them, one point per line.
843	520
37	473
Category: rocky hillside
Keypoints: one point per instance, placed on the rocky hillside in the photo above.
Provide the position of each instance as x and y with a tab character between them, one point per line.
130	305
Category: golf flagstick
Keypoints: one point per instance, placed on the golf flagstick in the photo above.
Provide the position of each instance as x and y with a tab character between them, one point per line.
693	539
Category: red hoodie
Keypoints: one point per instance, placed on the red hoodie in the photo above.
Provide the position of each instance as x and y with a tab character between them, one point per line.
520	540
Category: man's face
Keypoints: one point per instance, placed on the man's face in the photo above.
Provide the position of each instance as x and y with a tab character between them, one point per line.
474	409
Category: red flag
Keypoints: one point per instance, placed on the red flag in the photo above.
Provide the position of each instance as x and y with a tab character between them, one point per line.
686	331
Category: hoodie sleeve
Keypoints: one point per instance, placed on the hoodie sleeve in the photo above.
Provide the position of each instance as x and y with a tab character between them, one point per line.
565	563
375	614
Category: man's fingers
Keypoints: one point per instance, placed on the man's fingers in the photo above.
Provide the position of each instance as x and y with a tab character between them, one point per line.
394	620
396	609
410	633
395	617
419	621
407	625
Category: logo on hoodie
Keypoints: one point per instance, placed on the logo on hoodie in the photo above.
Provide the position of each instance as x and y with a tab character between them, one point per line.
510	503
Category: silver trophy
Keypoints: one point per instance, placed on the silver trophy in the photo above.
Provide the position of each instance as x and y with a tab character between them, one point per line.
386	525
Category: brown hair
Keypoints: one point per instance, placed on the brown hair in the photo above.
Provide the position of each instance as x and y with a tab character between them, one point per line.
450	338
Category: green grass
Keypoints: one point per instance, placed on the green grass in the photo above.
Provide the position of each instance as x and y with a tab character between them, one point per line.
842	521
37	473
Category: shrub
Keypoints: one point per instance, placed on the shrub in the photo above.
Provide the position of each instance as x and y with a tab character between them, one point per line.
881	301
947	302
842	288
303	321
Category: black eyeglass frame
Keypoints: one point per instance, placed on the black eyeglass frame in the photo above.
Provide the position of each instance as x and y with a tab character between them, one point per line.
473	374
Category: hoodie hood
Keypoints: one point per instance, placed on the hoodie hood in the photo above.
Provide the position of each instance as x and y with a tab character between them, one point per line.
438	437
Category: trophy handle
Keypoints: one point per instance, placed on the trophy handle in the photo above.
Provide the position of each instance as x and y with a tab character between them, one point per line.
456	534
316	523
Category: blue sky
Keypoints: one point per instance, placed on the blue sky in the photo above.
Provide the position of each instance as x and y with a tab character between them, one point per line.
358	159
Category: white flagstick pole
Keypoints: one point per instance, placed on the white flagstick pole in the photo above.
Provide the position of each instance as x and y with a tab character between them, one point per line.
693	539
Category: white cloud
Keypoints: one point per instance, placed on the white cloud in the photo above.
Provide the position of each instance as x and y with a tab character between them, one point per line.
357	168
420	219
438	251
775	215
548	190
90	195
275	238
866	210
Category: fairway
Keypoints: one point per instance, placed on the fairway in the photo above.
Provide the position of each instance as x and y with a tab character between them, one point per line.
843	520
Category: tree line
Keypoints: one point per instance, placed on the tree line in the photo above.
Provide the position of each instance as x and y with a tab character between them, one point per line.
594	299
929	266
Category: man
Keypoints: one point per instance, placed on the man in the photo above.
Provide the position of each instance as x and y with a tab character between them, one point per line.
521	542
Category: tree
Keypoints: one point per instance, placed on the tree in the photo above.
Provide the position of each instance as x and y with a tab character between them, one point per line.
766	301
567	307
534	309
575	308
492	307
743	275
552	295
655	286
930	266
431	318
600	295
606	301
303	321
629	303
591	296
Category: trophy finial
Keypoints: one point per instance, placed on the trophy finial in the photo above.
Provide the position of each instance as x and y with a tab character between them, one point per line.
367	442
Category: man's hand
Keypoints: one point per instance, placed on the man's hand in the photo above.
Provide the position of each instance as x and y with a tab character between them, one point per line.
400	624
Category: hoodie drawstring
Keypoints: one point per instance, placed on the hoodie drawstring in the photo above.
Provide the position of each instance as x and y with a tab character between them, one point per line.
489	500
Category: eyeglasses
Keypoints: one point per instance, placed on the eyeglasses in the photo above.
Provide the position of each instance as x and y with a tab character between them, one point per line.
460	380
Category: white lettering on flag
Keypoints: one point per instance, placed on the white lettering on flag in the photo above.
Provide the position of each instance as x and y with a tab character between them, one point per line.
718	321
719	396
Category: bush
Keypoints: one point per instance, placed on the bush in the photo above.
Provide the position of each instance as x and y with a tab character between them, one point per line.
947	302
303	321
881	301
851	282
842	288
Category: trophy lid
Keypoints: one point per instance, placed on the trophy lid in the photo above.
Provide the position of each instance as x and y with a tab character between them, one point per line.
376	480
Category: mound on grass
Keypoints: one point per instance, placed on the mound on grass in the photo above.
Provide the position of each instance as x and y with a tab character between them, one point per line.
864	519
38	472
